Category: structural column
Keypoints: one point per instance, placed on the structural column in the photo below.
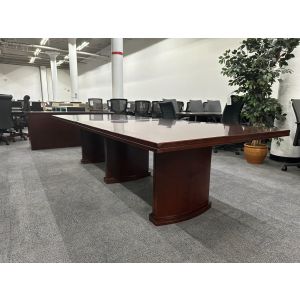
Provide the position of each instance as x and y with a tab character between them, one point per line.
289	88
117	67
73	69
44	83
53	66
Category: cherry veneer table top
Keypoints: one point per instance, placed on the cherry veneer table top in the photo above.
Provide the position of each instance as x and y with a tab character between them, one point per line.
161	135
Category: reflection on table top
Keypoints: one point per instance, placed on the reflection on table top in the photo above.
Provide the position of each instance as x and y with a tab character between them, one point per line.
199	113
162	133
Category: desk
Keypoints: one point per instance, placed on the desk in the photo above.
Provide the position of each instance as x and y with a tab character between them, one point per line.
182	156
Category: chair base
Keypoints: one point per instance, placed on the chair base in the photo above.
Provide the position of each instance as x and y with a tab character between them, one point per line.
285	166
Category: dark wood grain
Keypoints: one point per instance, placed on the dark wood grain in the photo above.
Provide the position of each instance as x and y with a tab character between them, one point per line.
124	162
47	132
181	185
92	146
170	135
182	157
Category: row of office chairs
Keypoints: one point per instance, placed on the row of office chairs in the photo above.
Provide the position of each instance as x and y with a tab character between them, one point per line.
148	108
9	124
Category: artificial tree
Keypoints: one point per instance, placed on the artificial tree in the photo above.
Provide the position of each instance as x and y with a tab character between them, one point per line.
253	68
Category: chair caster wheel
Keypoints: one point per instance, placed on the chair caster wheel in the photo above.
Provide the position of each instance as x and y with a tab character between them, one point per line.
237	153
298	166
215	151
284	168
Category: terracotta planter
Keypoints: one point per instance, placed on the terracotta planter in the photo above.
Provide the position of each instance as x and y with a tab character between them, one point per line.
255	154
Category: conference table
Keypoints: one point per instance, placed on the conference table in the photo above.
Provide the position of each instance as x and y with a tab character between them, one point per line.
182	156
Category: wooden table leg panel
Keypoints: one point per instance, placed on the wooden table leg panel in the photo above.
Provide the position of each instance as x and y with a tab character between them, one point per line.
181	185
92	146
125	162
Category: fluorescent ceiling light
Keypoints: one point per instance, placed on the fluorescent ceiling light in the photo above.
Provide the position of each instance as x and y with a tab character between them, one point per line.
83	45
32	59
37	51
44	41
60	62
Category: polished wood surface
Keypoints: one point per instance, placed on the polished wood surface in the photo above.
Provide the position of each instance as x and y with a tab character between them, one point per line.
124	162
182	156
47	132
160	135
199	113
181	185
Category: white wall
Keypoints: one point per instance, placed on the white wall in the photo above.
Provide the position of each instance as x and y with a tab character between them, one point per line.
64	85
20	81
173	68
25	80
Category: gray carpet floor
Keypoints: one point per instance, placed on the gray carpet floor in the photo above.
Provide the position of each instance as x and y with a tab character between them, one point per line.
54	209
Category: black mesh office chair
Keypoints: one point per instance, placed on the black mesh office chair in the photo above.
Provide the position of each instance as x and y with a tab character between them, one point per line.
232	116
36	106
155	109
95	104
26	103
167	110
296	107
6	122
180	105
118	105
141	108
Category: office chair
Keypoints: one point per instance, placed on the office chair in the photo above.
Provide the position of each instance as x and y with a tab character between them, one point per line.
155	110
141	108
174	102
232	116
130	108
118	105
296	107
167	110
26	103
180	105
95	104
6	123
213	106
36	106
195	106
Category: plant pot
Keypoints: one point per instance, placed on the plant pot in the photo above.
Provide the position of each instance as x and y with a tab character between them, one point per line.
255	154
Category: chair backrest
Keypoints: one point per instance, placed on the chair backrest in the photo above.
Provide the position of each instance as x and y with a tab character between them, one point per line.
296	107
195	106
213	106
118	105
36	106
142	107
232	113
167	110
174	103
95	104
5	112
155	109
16	104
75	108
180	105
26	103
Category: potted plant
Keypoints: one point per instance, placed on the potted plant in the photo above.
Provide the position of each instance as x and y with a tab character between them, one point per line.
253	68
